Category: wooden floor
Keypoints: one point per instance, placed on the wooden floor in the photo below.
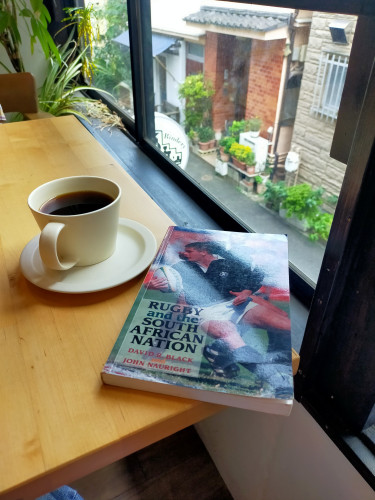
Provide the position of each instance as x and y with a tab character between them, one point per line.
176	468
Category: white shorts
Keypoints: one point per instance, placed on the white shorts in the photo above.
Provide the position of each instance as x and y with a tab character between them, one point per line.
225	311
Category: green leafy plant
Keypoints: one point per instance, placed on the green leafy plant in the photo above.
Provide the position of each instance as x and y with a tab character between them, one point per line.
59	94
275	194
205	134
226	142
236	129
197	93
302	201
320	226
36	18
253	124
258	179
111	59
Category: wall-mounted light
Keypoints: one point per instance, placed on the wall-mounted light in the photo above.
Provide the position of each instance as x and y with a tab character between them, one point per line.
338	31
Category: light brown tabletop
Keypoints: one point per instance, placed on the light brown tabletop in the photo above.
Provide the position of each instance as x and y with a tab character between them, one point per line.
58	421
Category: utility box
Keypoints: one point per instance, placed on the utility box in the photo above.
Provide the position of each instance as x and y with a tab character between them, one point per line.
259	146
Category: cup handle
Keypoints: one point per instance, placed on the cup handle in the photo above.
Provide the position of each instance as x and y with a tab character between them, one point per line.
48	247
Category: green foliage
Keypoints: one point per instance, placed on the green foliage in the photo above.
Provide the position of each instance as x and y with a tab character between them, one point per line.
253	124
197	93
332	200
226	142
258	179
205	134
58	94
302	201
82	18
242	153
275	194
36	18
236	129
320	226
111	59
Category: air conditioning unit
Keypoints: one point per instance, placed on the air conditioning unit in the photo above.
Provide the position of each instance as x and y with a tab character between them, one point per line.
260	148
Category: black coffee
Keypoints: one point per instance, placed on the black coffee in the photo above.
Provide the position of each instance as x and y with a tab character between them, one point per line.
80	202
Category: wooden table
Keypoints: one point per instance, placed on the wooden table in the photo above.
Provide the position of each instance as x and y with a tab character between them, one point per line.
57	421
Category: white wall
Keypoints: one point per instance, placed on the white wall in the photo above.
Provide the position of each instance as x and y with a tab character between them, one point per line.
34	63
268	457
176	74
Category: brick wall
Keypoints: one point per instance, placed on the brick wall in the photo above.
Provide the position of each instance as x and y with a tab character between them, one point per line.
193	67
264	80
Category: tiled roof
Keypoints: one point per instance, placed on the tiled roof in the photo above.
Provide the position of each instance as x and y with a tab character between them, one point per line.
241	19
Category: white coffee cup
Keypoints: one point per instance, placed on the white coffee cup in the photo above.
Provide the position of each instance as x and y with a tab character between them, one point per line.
76	239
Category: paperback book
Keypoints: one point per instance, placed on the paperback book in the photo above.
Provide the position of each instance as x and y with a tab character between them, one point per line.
211	322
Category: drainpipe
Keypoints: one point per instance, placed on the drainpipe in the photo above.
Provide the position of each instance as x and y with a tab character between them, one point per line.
283	82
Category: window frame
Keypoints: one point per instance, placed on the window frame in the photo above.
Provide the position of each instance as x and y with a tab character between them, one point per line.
324	91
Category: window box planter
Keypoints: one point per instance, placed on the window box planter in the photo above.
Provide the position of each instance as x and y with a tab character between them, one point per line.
204	146
239	164
294	221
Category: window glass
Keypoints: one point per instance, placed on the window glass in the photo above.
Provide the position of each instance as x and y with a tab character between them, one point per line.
258	113
195	52
111	54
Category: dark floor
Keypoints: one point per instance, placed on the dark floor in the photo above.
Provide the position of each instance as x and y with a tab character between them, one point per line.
176	468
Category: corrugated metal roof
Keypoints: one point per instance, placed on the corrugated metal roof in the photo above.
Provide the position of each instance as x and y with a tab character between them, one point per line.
240	19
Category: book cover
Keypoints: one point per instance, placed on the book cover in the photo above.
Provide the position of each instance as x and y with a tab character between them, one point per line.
211	322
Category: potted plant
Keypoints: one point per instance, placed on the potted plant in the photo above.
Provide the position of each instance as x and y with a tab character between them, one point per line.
253	125
250	161
275	194
301	204
237	128
260	186
197	93
225	145
206	138
241	155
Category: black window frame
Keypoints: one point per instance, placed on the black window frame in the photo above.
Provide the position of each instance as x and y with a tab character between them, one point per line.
353	144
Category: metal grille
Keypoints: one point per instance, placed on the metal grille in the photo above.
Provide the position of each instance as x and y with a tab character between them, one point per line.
329	85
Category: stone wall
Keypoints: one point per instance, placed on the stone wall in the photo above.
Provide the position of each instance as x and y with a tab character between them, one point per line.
312	136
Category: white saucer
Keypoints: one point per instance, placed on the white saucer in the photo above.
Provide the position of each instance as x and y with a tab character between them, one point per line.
135	250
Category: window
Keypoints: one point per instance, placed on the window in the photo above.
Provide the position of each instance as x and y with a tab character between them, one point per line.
258	63
195	52
335	382
329	85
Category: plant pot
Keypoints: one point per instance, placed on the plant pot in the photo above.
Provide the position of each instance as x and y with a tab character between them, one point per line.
212	144
261	188
204	146
239	164
224	156
294	221
254	133
250	169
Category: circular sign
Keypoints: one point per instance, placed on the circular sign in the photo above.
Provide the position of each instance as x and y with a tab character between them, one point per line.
172	140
